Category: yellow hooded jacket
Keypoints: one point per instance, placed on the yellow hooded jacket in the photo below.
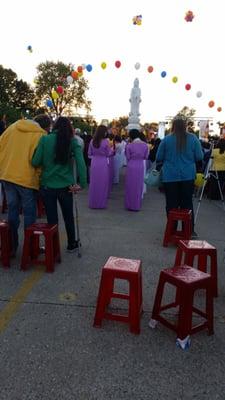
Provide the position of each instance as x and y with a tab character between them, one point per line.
17	145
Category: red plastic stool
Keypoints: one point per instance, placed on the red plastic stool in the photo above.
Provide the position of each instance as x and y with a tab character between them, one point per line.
186	280
189	249
120	268
172	235
40	207
5	239
31	248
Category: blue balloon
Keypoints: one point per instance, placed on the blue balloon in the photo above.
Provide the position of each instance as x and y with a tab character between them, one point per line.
163	74
89	67
49	103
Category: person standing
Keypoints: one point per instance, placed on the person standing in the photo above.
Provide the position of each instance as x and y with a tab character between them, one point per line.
55	154
178	152
20	178
99	151
117	159
136	152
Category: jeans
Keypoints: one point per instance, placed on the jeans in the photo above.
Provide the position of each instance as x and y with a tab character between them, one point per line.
65	198
179	195
18	196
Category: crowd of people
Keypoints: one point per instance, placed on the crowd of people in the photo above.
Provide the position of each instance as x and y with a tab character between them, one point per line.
54	160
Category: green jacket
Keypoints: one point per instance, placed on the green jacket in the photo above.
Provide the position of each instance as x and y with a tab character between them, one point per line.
54	175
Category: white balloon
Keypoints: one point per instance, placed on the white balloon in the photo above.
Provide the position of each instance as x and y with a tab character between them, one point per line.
199	94
137	65
69	79
83	66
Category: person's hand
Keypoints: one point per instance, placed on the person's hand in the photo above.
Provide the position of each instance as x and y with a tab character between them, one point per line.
75	188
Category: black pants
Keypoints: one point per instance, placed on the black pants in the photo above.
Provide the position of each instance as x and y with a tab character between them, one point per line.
65	198
179	195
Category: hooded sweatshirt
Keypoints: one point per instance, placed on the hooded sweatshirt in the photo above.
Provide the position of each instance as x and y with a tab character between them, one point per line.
17	145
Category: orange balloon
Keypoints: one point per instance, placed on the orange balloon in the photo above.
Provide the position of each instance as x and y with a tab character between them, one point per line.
150	69
74	75
211	103
219	109
80	68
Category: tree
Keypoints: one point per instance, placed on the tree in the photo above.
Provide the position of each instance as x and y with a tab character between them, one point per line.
51	75
16	96
187	112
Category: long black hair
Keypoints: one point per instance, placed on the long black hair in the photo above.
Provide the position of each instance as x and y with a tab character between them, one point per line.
178	129
64	134
100	134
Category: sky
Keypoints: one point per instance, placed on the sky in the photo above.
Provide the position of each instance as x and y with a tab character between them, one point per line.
96	31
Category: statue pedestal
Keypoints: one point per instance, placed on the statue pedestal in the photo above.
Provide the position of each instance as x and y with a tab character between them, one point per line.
133	123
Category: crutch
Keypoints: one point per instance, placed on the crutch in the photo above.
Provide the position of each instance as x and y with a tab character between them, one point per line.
79	254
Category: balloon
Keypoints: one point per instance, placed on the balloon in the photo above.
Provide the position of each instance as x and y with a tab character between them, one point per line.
150	69
137	65
80	69
189	16
137	20
103	65
49	103
69	79
219	109
89	67
174	79
74	75
29	48
199	94
211	103
117	64
55	95
199	180
163	74
83	66
188	86
59	89
80	74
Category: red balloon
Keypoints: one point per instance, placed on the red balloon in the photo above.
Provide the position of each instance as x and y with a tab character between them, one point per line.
188	86
211	103
59	89
80	68
150	69
219	109
117	64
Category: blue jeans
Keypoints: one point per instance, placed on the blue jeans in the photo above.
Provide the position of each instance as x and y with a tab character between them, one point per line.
18	196
65	198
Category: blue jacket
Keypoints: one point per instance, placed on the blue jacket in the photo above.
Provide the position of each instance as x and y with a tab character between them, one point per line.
179	166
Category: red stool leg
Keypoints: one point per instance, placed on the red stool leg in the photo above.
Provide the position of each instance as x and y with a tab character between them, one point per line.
49	253
185	314
5	246
158	297
134	307
179	256
101	302
26	250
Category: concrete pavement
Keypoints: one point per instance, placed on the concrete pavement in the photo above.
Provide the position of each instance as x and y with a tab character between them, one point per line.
49	349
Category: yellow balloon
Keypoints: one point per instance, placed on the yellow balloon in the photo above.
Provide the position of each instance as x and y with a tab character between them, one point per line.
103	65
80	74
55	95
199	180
174	79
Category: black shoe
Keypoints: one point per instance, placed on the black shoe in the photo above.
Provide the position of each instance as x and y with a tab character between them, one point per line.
194	235
72	248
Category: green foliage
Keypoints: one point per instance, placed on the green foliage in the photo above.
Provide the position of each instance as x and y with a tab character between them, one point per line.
50	75
16	96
